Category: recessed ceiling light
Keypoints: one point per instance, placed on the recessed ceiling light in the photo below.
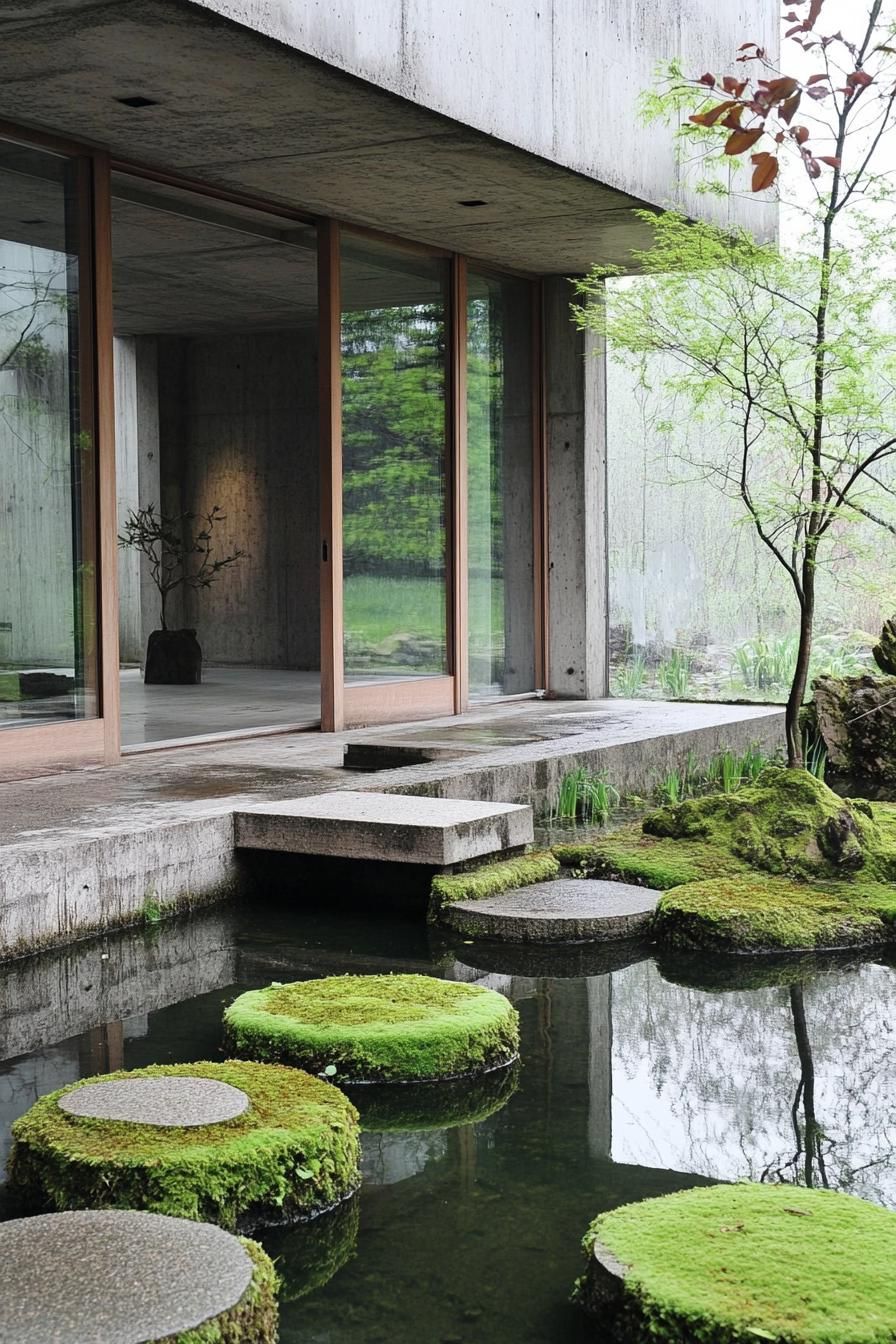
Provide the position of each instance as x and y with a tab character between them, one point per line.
138	101
471	205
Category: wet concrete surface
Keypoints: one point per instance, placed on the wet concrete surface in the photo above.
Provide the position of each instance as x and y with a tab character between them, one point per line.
161	787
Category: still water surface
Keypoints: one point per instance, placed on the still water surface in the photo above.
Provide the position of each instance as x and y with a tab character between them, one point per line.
639	1076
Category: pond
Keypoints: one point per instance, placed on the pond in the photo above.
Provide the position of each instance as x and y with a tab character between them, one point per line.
640	1076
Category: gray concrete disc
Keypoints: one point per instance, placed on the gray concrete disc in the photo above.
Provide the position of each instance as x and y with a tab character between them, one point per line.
157	1101
127	1277
568	910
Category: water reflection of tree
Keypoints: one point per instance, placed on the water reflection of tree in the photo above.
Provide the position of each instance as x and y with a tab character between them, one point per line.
706	1082
808	1133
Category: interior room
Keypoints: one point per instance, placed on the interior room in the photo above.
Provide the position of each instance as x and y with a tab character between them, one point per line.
217	456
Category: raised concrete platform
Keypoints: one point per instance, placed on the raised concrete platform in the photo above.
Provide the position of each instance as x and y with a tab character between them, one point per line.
568	910
85	851
91	1278
182	1102
386	827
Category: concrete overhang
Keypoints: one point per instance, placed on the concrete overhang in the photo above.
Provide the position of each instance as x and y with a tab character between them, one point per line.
236	109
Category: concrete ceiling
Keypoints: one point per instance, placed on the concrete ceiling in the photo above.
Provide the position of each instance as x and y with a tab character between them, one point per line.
238	110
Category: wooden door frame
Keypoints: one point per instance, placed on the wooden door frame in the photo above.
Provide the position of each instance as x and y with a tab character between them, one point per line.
44	747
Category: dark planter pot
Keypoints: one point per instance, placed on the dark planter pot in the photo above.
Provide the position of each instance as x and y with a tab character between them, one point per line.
173	658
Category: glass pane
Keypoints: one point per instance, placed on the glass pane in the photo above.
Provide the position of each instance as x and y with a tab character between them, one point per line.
218	455
48	657
394	336
499	452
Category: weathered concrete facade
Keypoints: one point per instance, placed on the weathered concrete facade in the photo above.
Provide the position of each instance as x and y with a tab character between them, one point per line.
223	146
559	78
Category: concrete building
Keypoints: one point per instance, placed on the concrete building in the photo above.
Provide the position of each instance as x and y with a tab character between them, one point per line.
284	295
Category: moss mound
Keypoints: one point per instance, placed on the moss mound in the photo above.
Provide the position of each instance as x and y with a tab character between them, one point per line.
761	914
783	865
255	1317
418	1106
737	1264
492	879
376	1028
295	1151
788	824
309	1255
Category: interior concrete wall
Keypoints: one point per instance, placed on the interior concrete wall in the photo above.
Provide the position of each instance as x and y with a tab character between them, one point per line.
560	78
238	429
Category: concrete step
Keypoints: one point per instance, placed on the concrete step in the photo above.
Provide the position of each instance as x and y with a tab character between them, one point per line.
567	910
395	828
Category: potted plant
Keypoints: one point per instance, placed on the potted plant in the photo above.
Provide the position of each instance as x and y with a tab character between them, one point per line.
179	554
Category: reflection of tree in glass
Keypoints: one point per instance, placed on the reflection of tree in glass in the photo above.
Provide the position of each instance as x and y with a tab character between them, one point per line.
34	317
393	410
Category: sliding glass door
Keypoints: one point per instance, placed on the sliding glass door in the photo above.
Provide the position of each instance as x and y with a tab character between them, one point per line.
48	564
500	506
394	342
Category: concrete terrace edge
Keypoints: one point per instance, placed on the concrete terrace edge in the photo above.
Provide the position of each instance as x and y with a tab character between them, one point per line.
61	886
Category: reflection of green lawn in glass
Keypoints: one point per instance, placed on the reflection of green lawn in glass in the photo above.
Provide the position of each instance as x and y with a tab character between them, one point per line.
394	626
398	625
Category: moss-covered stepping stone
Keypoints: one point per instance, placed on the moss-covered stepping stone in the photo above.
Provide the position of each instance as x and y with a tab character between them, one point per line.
237	1143
92	1277
376	1028
733	1264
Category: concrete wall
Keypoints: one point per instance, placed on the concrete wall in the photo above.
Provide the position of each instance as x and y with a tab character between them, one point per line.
560	78
576	449
232	421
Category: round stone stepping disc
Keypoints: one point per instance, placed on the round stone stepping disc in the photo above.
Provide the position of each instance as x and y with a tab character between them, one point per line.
158	1101
568	910
93	1277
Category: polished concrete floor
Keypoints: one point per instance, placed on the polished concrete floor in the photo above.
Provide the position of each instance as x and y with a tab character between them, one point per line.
228	700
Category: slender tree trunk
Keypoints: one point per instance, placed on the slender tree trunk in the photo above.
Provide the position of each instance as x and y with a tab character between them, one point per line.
164	597
792	729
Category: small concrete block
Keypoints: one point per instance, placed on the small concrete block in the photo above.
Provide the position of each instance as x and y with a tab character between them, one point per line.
397	828
185	1102
94	1277
394	753
567	910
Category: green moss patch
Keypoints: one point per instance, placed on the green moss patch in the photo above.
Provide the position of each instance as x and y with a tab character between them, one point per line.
255	1317
386	1028
738	1264
419	1106
788	824
294	1152
492	879
783	865
760	914
632	855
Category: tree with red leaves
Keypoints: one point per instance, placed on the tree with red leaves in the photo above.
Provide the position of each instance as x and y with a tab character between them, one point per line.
791	352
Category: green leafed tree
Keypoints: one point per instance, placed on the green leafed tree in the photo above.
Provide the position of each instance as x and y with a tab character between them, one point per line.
791	350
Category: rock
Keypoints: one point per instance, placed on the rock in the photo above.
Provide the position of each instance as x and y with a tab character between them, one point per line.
885	652
856	719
